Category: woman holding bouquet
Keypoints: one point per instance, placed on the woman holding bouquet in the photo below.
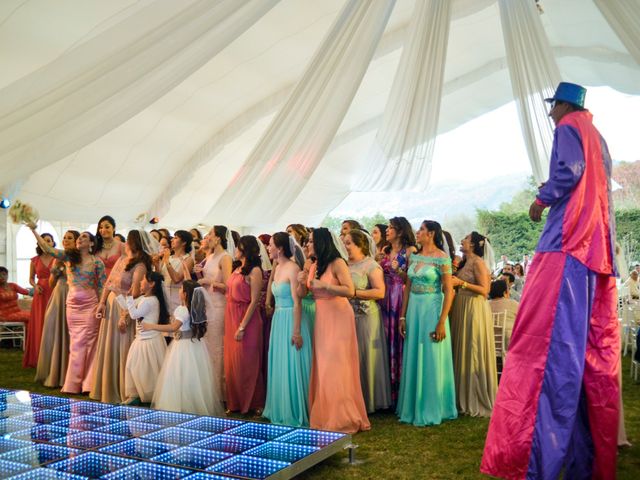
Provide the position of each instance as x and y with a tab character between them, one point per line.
86	277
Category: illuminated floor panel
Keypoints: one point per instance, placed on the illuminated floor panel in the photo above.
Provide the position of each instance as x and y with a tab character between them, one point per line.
52	437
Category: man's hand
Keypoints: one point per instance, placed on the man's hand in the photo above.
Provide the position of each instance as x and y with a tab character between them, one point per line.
535	211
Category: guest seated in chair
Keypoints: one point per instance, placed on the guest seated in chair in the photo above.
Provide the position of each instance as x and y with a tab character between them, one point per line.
499	301
9	309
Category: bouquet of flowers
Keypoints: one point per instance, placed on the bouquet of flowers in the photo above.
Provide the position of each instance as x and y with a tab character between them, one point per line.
23	213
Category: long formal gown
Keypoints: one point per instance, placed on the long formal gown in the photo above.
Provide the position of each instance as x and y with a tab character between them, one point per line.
216	304
185	383
309	311
391	307
85	285
266	325
147	352
171	288
38	308
335	394
289	368
54	347
372	341
474	351
113	345
242	359
10	311
427	388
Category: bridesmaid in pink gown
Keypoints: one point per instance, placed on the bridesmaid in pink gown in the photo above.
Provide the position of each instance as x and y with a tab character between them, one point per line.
41	269
335	395
108	248
243	331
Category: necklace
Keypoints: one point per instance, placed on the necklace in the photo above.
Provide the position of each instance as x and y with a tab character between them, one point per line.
107	246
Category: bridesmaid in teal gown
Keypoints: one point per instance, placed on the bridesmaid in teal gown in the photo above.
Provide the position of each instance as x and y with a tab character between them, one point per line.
427	386
290	346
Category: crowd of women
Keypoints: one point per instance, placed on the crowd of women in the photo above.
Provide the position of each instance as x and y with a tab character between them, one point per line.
303	327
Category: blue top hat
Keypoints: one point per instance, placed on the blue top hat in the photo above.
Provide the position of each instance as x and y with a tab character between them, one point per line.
569	92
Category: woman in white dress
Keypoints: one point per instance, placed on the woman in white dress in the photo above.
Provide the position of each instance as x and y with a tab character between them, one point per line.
173	266
147	351
186	381
215	273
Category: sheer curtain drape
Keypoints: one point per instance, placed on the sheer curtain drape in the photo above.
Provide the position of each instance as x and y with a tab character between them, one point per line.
534	75
107	79
623	17
293	146
400	158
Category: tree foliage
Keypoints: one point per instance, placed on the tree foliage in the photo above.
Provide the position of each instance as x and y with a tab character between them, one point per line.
335	223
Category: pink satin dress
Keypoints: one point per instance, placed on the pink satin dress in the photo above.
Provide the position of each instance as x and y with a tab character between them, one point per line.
335	394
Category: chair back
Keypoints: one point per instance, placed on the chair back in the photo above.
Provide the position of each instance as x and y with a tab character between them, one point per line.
499	320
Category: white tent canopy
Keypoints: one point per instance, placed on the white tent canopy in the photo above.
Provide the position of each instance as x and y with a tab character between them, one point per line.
133	107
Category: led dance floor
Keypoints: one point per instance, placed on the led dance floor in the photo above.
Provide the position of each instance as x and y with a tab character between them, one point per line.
45	437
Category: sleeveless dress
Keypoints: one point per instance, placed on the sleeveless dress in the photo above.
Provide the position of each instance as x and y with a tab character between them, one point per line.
172	289
113	345
335	394
427	389
110	261
266	325
289	368
10	311
372	341
38	307
242	359
146	354
54	347
185	383
474	351
391	307
216	304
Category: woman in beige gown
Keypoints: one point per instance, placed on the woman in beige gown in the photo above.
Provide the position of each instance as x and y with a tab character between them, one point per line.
474	352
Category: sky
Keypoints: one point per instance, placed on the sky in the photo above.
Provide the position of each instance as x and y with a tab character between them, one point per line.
492	145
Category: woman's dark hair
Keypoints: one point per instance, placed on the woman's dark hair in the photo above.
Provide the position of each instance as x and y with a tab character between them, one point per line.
139	255
264	238
250	249
197	236
120	237
449	241
383	236
156	278
478	247
519	269
164	233
74	254
433	226
186	238
359	238
281	240
221	232
236	238
498	289
326	252
39	251
98	237
404	231
301	231
198	331
4	270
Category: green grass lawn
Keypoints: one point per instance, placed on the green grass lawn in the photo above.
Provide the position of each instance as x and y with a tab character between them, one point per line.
391	450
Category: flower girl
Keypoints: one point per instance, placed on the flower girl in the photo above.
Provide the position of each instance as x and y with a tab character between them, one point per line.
147	351
186	379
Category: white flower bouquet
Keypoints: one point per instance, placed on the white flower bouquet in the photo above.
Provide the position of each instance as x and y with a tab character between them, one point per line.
21	213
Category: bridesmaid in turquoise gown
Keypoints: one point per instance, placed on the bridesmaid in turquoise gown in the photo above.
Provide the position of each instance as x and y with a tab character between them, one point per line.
290	346
427	386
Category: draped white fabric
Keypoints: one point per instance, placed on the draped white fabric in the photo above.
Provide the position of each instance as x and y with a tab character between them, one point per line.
534	76
110	77
400	158
293	146
624	18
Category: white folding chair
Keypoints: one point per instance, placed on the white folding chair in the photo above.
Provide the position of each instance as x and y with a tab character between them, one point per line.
499	320
15	331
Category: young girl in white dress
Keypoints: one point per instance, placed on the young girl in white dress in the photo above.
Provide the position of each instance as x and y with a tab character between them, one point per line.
186	382
147	352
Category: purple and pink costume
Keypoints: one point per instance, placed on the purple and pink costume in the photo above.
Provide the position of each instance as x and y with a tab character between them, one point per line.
558	402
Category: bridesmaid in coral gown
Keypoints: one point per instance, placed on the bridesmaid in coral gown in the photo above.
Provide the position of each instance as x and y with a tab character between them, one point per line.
335	394
9	309
243	331
40	269
108	248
